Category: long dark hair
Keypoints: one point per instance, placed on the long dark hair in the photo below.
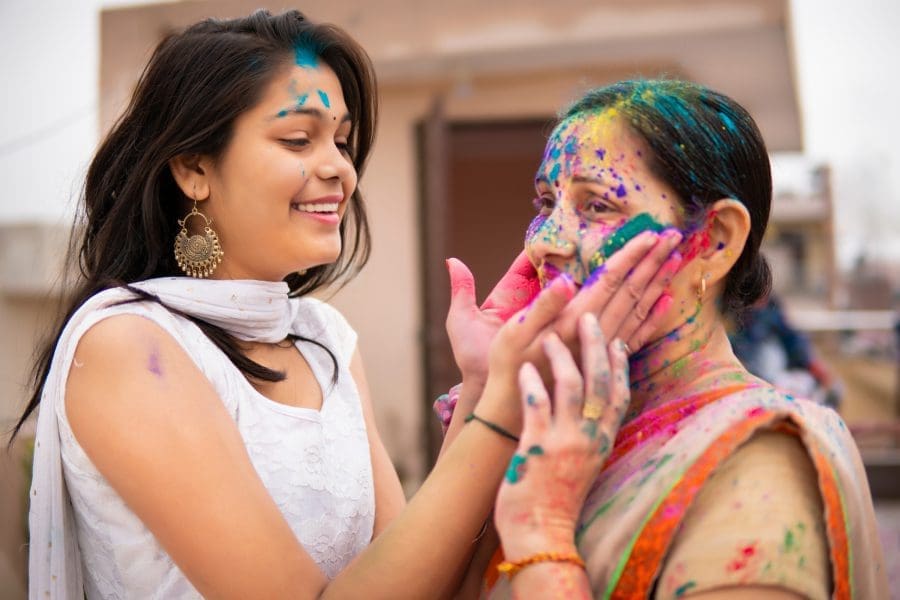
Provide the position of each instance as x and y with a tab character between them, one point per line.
187	99
706	147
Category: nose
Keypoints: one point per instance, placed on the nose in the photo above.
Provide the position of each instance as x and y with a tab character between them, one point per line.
554	240
333	164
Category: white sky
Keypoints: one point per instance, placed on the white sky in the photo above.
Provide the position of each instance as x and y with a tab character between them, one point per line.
848	54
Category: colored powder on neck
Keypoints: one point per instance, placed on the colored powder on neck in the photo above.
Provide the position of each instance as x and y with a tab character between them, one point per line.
305	58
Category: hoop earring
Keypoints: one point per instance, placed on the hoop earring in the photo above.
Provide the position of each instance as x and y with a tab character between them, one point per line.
701	291
197	255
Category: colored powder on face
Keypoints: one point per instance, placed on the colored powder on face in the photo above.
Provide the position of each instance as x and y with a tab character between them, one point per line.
324	97
720	245
301	99
305	58
554	172
601	153
621	192
536	451
282	113
516	470
629	230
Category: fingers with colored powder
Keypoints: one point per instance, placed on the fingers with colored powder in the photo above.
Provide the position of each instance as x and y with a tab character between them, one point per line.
562	448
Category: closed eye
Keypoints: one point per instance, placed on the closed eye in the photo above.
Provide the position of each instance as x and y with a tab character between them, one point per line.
295	142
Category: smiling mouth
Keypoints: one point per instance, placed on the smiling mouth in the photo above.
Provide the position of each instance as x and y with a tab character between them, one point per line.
309	207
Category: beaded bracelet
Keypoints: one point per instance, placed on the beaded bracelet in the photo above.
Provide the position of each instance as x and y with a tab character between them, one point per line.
492	426
510	568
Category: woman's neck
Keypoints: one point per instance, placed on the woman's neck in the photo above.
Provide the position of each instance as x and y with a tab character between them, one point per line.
694	357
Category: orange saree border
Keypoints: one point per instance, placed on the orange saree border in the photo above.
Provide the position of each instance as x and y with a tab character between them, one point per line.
637	572
668	415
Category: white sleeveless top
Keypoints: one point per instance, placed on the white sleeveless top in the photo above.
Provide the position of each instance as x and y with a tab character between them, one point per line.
315	464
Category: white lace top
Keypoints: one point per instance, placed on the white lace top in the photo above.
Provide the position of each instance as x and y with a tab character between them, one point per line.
315	464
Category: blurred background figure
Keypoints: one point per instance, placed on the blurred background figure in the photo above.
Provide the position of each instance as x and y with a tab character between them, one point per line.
772	349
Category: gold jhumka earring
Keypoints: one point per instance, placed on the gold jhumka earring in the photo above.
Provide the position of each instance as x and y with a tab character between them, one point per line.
197	255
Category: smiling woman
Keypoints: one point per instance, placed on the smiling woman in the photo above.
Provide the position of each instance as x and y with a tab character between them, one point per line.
283	183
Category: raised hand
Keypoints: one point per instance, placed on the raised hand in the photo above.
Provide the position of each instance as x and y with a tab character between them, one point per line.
627	294
564	442
472	328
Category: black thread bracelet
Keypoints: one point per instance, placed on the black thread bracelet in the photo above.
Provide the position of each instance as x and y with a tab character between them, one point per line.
492	426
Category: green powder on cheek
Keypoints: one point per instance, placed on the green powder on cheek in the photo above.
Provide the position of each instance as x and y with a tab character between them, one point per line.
628	231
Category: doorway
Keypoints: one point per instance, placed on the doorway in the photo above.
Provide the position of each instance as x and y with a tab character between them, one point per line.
476	190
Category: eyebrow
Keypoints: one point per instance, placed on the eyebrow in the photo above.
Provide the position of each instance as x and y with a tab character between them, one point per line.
600	180
312	111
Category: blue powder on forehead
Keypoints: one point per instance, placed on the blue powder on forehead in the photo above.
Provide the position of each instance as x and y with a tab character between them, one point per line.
305	57
324	98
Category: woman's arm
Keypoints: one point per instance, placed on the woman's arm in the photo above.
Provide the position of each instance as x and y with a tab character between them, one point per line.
389	498
155	428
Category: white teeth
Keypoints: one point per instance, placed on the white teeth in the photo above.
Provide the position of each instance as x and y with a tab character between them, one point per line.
331	207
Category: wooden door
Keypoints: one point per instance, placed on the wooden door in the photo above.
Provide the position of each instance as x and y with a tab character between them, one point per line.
477	191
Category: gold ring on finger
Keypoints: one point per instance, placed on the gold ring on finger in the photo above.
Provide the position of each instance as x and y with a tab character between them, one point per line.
592	411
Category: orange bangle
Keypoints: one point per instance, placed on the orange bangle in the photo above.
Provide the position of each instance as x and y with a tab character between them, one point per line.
511	567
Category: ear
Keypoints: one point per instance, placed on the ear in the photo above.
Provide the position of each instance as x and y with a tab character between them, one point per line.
728	225
191	173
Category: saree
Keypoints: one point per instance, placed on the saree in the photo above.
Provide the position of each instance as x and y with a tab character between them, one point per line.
661	461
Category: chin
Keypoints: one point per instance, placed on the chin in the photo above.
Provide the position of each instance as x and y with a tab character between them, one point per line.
319	259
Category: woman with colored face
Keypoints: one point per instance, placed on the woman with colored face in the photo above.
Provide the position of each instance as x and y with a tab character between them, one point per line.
717	485
205	426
